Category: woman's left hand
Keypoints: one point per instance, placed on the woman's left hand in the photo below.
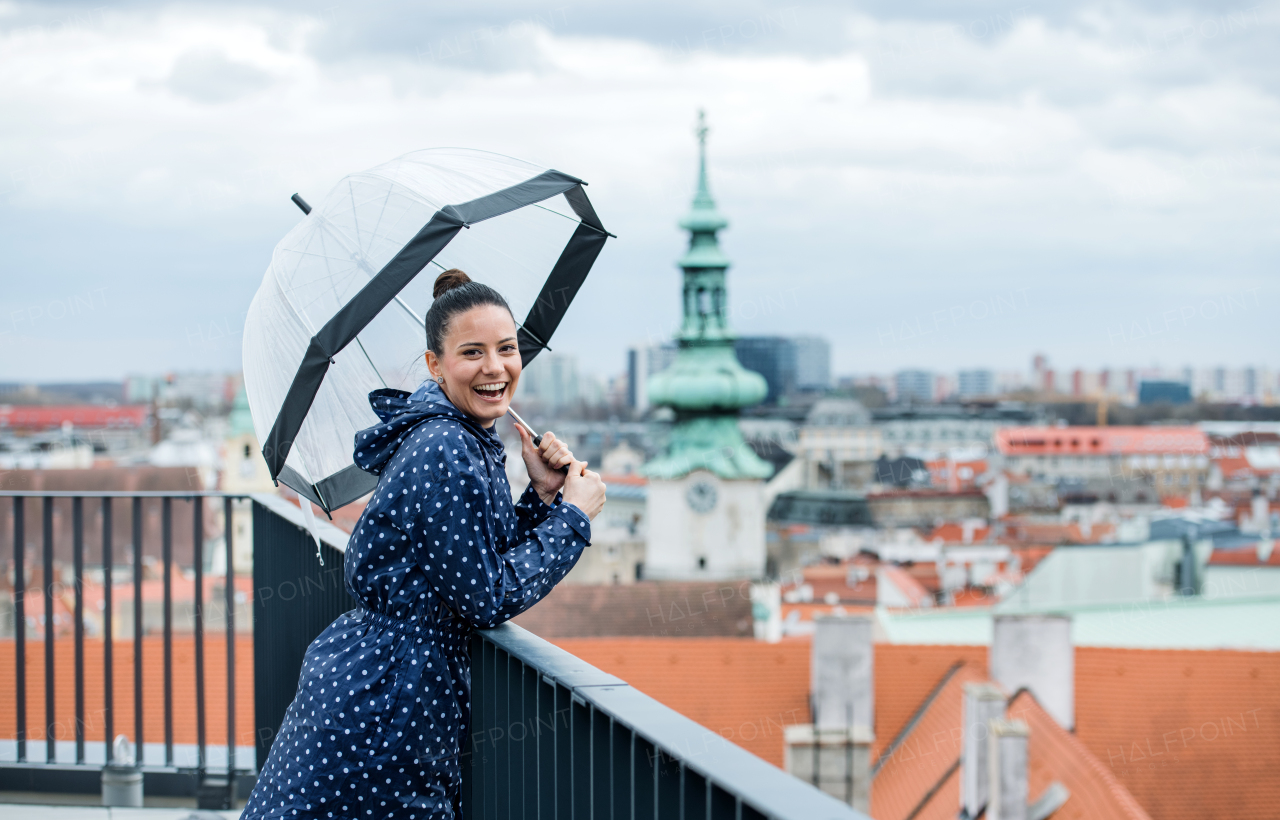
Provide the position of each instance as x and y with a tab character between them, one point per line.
543	463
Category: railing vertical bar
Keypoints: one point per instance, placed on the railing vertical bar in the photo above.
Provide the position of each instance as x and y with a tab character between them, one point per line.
138	625
108	633
20	622
621	770
197	559
529	716
489	701
548	770
683	776
229	602
501	738
50	705
580	718
77	559
564	749
601	763
167	556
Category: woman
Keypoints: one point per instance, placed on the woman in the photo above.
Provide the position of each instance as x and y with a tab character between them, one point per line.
379	721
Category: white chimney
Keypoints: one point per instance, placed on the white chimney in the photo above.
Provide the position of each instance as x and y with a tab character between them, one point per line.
834	752
841	672
1260	514
1007	784
983	703
1035	652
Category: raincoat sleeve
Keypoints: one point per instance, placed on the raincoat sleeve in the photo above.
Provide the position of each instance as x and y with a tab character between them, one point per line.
457	527
531	511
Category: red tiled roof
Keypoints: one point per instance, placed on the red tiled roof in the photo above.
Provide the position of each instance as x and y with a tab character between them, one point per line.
952	532
743	689
1030	554
907	584
1246	557
184	690
31	417
826	579
1054	754
1217	710
1192	734
967	472
925	755
920	778
905	674
1054	532
1101	440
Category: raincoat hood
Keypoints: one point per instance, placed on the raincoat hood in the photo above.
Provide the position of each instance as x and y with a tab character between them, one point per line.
401	412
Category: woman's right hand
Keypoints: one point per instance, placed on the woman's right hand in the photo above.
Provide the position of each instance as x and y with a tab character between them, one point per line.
584	489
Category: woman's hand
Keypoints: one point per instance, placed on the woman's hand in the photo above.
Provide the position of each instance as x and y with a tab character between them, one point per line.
543	463
584	489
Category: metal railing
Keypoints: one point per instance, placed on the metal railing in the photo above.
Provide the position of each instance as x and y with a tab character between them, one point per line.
61	530
551	736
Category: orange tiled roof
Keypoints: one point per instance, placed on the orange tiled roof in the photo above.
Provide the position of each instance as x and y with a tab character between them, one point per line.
905	674
744	689
1191	733
1053	532
92	416
920	778
1030	554
1053	753
1101	441
908	585
925	755
952	532
1247	557
184	690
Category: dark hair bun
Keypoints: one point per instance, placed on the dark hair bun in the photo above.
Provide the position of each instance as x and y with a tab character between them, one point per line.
447	281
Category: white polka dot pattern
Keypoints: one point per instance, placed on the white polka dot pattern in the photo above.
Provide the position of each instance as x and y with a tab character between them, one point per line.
379	720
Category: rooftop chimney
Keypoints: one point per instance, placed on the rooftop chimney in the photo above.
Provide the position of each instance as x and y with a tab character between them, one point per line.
1035	652
1007	784
834	752
841	672
983	703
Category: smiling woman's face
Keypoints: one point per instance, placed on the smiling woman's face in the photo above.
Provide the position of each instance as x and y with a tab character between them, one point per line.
481	362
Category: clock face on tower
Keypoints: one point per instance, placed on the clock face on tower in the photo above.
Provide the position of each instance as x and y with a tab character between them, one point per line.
701	497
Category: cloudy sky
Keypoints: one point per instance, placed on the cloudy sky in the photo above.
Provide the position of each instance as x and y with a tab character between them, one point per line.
925	184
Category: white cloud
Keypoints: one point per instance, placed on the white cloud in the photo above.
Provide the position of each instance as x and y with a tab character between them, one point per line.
919	162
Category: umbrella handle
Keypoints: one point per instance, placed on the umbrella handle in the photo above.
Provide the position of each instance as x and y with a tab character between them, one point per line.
537	437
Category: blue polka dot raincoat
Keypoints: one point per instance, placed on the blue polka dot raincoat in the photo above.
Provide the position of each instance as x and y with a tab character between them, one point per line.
383	703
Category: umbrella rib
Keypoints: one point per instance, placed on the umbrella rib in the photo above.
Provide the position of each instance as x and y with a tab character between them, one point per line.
371	364
570	218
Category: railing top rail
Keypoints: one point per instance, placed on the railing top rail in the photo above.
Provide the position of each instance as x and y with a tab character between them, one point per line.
328	534
121	494
708	753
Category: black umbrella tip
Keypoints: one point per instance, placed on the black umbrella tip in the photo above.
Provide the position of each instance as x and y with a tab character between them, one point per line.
301	203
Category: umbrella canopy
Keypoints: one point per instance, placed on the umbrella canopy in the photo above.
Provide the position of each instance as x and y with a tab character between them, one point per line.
339	312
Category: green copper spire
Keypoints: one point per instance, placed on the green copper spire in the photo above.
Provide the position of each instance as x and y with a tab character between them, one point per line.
241	421
706	385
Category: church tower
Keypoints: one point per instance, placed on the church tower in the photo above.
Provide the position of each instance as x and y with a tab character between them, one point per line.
705	500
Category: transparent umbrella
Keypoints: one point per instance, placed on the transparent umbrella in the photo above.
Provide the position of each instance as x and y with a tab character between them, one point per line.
339	312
